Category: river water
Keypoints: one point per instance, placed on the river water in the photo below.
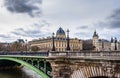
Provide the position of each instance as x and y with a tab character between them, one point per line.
19	73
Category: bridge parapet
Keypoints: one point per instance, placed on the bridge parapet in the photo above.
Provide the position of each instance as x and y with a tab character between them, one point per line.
25	53
83	54
64	54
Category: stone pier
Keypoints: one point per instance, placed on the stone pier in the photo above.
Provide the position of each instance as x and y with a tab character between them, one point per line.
60	67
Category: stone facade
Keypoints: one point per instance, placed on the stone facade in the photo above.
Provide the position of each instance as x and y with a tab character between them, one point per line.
60	42
105	45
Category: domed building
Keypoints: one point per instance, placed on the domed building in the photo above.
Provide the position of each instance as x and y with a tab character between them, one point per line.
60	42
60	33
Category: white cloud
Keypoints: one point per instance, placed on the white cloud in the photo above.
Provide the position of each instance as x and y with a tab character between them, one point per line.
62	13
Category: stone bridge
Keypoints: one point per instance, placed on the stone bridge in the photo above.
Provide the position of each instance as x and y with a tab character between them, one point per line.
69	64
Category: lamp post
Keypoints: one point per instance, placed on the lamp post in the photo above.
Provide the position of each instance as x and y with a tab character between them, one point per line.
68	41
102	45
26	45
115	43
53	43
67	66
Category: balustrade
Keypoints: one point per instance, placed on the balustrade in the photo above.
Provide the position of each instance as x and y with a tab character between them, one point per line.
84	54
64	54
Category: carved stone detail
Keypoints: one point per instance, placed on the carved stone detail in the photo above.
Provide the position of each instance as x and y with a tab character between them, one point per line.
62	70
110	69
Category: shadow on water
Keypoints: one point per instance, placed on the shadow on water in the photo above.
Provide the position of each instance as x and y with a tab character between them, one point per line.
18	73
11	73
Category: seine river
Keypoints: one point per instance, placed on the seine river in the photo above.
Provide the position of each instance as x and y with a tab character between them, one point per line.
19	73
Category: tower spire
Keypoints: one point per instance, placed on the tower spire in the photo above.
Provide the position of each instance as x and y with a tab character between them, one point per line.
95	34
111	39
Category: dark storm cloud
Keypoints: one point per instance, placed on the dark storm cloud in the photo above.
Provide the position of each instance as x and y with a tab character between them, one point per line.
111	22
30	7
114	19
116	14
36	30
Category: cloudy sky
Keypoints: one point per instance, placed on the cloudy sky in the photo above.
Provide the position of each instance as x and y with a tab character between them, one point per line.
33	19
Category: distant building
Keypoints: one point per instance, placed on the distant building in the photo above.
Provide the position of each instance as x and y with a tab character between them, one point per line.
18	45
20	41
60	42
5	46
105	45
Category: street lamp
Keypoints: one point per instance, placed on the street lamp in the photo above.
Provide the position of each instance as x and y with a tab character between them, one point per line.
68	41
115	43
102	45
53	43
26	44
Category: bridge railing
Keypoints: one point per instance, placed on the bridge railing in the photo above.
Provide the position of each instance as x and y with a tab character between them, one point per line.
82	53
25	53
101	54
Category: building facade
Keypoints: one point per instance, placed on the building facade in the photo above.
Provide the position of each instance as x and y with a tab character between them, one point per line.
105	45
60	42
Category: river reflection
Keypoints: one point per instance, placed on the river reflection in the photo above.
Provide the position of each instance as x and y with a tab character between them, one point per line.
19	73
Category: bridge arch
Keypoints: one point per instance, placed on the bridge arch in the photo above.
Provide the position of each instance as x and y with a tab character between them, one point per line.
43	75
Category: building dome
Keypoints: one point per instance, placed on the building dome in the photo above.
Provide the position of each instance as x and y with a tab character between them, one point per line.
60	33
